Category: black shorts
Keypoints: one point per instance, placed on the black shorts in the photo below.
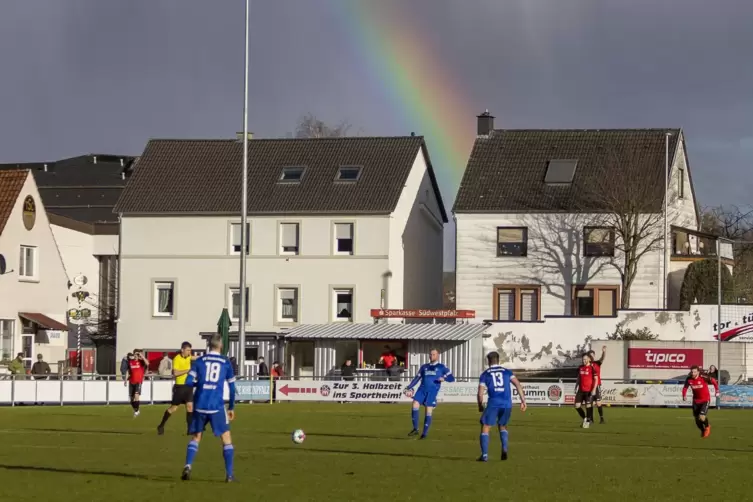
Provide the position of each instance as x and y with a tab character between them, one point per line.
700	409
582	397
133	389
182	394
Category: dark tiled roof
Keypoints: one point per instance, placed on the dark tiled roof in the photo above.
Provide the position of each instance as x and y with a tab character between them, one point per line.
80	188
506	170
11	183
204	176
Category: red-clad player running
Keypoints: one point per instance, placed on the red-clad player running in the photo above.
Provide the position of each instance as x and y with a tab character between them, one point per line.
585	390
701	398
137	366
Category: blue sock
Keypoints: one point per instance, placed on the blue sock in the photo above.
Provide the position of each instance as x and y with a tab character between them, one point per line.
503	438
227	454
484	444
427	424
414	417
191	451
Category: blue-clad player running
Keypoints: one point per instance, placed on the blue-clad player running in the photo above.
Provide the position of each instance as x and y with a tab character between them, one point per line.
209	374
495	382
431	377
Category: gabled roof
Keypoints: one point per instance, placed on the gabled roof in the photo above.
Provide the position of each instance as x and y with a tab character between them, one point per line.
506	169
11	183
84	188
204	176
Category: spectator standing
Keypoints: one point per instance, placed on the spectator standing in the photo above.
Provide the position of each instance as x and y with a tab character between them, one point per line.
389	361
276	373
40	370
263	370
124	365
348	371
165	368
17	368
234	365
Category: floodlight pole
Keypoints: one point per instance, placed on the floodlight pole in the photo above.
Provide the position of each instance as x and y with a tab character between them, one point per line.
718	312
241	356
666	223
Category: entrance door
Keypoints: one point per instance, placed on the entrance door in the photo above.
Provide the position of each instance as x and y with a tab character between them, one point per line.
301	360
27	347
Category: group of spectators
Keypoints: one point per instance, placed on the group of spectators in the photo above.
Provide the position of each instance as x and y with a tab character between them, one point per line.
40	370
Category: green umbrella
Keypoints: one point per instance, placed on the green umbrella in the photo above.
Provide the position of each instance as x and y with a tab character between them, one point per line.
223	328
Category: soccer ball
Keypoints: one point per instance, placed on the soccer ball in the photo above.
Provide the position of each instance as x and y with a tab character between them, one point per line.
298	436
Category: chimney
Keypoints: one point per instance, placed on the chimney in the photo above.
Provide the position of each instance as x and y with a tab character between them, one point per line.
239	136
95	158
45	168
122	163
485	124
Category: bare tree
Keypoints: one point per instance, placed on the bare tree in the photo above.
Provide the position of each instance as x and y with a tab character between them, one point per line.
311	127
628	198
736	224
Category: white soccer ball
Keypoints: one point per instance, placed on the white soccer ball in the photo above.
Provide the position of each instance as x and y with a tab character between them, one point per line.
298	436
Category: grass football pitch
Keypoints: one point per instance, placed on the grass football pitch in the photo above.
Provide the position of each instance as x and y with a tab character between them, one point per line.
359	452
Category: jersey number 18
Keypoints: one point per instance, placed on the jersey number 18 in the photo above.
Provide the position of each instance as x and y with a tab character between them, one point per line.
499	382
213	372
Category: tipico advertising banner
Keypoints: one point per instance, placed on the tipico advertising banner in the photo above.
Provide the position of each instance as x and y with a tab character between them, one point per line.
375	391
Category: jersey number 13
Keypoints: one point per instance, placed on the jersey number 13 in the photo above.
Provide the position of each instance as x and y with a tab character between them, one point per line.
499	382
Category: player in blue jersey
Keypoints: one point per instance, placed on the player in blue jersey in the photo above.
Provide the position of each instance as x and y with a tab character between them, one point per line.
431	377
496	383
208	375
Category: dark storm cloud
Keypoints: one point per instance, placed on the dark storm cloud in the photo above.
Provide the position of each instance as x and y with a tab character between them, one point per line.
95	75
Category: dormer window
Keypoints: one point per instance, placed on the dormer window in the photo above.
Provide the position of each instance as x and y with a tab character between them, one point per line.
292	174
348	173
560	171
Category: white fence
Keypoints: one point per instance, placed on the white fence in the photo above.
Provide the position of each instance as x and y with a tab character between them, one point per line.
61	392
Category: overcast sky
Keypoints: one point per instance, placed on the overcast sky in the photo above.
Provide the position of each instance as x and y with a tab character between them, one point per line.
80	76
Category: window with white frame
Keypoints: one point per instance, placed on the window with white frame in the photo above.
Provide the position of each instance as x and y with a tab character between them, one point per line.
342	304
235	238
287	307
6	339
234	303
27	262
289	238
344	238
164	299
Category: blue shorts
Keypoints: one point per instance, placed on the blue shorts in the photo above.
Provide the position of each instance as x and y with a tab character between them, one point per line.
219	422
495	416
426	397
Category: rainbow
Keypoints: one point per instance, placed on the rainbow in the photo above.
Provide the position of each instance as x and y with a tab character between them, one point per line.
424	92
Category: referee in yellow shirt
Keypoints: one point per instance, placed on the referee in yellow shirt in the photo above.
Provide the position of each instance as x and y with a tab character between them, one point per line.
182	393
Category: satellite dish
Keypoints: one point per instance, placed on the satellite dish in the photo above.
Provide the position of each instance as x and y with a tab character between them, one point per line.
2	264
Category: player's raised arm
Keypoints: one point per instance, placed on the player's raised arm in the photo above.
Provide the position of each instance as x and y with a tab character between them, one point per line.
519	388
603	355
418	377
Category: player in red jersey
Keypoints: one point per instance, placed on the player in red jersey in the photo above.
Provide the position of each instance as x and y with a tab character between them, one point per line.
597	367
701	398
585	390
137	366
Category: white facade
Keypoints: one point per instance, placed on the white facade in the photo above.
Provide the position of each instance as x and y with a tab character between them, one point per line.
34	282
80	252
555	261
295	271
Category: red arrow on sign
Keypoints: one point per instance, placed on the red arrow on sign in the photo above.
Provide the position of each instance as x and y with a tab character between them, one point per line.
293	390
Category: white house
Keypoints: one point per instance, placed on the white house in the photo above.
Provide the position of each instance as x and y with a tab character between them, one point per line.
531	210
78	196
33	285
337	227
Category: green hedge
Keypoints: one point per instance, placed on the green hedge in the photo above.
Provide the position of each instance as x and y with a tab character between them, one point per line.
700	284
